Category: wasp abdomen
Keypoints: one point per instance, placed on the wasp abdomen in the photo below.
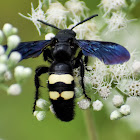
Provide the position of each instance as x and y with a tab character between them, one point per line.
61	91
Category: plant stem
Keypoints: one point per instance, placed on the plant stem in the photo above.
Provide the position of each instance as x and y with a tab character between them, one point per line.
89	124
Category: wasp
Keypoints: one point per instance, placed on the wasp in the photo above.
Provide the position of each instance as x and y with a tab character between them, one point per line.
60	52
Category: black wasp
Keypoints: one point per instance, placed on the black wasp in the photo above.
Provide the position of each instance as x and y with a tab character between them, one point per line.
60	52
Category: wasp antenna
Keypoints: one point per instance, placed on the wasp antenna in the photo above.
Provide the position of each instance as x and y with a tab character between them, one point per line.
84	20
48	24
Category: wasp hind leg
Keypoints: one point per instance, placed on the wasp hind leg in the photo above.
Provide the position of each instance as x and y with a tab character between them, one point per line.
39	71
79	63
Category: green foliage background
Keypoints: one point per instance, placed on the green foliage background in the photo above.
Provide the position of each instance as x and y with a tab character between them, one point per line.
16	119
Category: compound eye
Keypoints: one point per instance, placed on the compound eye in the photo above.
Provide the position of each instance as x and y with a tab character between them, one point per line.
70	40
55	40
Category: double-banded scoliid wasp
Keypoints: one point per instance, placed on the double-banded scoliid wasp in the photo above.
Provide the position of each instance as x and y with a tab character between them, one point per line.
60	52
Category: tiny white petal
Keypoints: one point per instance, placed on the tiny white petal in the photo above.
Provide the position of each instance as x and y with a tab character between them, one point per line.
125	109
40	115
97	105
41	103
14	89
13	41
2	51
115	115
49	36
15	57
84	104
118	100
7	29
3	68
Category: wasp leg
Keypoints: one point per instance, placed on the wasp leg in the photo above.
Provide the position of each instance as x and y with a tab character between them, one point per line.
47	55
79	62
39	71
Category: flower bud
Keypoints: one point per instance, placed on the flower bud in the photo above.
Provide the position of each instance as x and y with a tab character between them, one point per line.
41	103
115	115
3	68
3	58
40	115
14	89
13	41
7	29
97	105
117	100
15	57
125	110
84	104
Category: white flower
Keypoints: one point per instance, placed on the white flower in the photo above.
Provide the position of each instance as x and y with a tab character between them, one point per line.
87	30
118	100
125	109
84	104
49	36
109	5
57	14
3	68
115	115
133	88
119	71
117	21
15	57
13	41
41	115
1	36
41	103
37	13
2	51
104	91
7	29
136	66
14	89
76	7
97	105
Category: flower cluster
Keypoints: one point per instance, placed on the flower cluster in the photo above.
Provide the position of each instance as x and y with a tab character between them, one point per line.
100	78
9	60
114	14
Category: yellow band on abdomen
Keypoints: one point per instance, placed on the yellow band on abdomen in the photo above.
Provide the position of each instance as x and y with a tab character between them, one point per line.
65	78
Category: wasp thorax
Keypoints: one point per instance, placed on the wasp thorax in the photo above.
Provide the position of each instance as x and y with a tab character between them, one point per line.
62	52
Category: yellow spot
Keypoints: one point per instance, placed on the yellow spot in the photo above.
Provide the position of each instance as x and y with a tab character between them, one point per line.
54	95
67	94
65	78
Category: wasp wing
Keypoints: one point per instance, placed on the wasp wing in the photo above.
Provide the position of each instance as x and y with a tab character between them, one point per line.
30	49
108	52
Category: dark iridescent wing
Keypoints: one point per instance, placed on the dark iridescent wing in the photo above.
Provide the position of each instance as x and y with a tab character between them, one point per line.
108	52
30	49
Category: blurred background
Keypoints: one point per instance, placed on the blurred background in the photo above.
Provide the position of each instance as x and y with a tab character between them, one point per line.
16	119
